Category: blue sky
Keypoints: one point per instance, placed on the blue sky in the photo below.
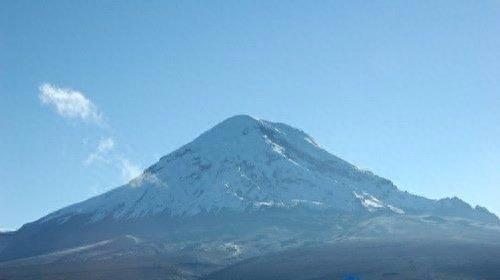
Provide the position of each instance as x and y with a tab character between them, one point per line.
93	91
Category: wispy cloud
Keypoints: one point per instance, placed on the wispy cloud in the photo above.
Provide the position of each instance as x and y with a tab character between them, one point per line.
105	145
146	178
128	169
70	103
73	104
103	148
105	154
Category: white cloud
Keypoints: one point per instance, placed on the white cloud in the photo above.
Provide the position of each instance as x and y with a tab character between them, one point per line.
128	169
70	103
73	104
105	154
103	148
105	145
146	178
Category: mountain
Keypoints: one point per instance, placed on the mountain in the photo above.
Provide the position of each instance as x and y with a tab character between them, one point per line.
246	163
242	189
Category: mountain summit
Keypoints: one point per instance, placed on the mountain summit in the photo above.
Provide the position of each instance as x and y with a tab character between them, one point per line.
244	188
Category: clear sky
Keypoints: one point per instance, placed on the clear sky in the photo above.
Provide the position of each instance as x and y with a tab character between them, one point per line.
93	91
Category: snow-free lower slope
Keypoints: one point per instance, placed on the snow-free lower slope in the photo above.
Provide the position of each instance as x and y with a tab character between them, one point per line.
243	164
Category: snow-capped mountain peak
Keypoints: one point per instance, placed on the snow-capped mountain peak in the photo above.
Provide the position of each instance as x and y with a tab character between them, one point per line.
244	163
